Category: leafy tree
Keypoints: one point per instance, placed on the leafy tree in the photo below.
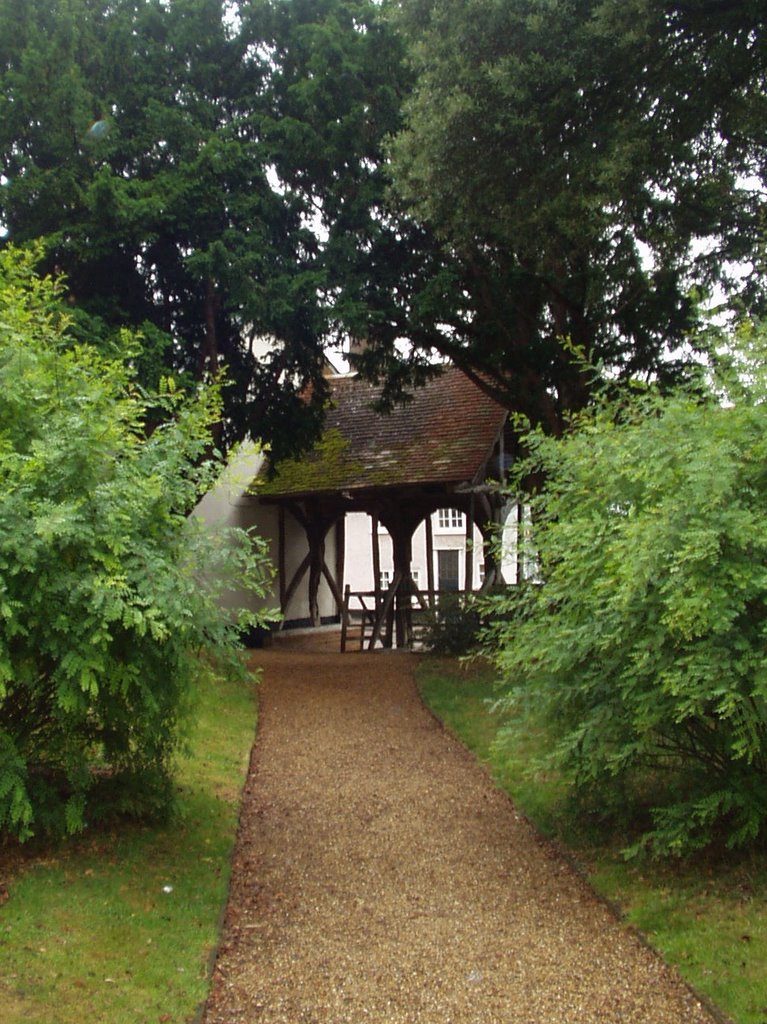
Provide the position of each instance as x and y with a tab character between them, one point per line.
584	164
642	652
208	172
108	591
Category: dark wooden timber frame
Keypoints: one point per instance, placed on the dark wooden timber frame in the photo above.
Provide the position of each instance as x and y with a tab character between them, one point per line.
437	452
400	510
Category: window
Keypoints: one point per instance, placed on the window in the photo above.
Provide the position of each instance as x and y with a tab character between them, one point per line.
385	578
450	519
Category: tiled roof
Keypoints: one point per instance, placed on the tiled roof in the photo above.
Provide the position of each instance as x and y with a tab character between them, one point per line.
444	435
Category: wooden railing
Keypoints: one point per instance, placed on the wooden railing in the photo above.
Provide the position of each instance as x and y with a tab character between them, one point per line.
371	619
358	616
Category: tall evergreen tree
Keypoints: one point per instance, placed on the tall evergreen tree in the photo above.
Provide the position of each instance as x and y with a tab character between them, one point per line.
215	173
584	163
205	172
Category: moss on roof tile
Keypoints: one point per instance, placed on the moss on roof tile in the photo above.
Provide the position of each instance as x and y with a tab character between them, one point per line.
326	468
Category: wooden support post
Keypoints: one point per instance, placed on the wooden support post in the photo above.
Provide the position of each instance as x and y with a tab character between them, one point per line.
389	616
430	559
468	564
340	555
402	535
376	560
383	613
489	526
345	618
281	569
316	537
335	590
520	567
488	555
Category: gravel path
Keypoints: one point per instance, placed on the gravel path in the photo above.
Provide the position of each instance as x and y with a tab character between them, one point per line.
379	876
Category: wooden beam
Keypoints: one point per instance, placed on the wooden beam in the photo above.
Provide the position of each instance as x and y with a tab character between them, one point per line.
468	560
298	514
376	560
340	555
384	609
345	618
402	536
488	510
334	588
430	559
297	577
520	570
281	569
488	556
316	539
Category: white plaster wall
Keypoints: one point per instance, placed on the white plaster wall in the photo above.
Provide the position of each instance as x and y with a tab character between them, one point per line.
359	552
228	504
512	530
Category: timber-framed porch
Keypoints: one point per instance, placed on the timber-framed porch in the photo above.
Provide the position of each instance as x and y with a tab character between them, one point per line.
446	449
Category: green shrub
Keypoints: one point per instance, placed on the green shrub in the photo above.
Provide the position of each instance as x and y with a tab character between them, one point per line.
453	626
643	653
108	590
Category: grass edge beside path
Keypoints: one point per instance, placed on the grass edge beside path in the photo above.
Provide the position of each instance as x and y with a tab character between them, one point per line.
120	927
707	917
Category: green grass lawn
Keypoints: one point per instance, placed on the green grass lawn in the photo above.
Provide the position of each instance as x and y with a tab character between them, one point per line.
707	916
119	927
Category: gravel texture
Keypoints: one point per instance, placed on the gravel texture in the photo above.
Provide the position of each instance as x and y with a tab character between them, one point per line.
380	876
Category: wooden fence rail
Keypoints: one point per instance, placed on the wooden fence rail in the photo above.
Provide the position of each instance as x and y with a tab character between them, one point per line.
371	618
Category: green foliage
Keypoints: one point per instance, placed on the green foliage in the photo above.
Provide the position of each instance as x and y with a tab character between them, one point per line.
453	626
570	156
234	186
642	653
223	189
99	904
108	591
